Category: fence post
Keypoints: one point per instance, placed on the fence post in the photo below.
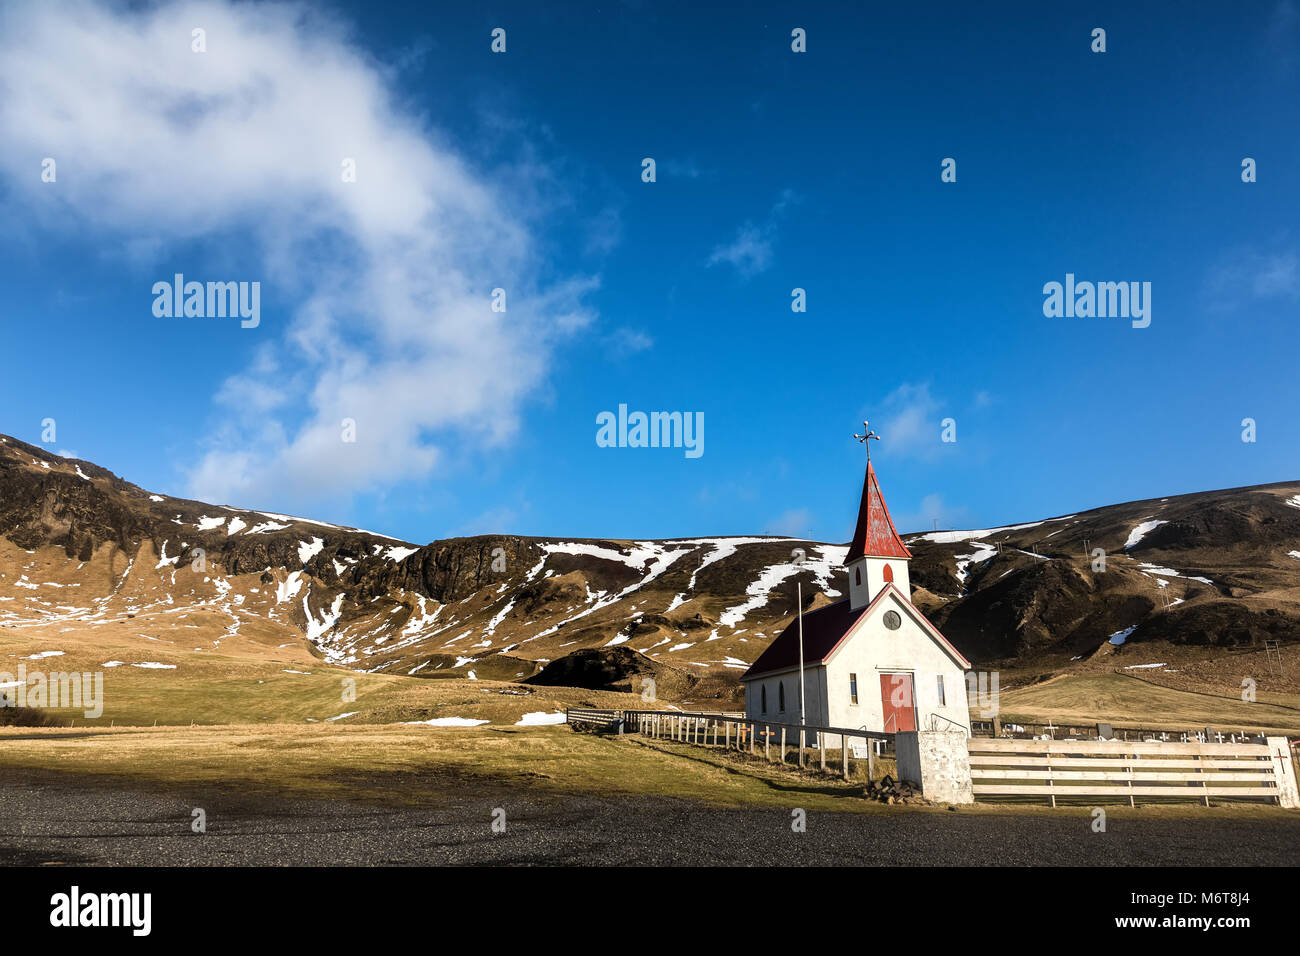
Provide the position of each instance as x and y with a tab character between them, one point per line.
821	748
844	754
767	742
802	741
871	759
1288	794
783	743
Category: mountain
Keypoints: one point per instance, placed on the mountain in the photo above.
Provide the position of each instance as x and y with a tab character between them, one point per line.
82	548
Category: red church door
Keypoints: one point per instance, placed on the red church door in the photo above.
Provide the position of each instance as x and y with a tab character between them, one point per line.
899	706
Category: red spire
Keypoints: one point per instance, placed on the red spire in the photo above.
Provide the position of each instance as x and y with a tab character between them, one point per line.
875	536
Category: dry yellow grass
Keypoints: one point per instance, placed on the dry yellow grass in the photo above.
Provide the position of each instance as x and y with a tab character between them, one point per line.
1121	699
422	766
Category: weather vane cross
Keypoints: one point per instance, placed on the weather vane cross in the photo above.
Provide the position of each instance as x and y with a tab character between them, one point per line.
866	438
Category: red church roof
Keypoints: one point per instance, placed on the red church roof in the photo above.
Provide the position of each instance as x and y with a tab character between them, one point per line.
875	535
823	629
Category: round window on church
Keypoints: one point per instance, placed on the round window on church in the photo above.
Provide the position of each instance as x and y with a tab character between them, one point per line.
892	620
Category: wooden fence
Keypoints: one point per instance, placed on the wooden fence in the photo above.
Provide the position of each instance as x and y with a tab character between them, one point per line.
601	720
1024	730
737	732
1114	768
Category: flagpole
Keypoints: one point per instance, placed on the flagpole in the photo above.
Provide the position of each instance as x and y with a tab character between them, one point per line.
803	711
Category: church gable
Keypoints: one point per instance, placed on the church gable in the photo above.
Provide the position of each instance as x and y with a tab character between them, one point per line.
872	623
828	629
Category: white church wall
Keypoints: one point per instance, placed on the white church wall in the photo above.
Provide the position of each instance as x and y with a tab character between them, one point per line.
868	652
815	688
873	578
874	649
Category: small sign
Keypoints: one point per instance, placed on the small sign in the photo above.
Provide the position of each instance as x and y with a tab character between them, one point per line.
859	751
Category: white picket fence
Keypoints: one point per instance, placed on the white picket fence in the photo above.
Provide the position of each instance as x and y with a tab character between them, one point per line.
1127	769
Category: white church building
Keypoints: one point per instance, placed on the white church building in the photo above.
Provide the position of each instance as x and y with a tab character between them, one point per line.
871	661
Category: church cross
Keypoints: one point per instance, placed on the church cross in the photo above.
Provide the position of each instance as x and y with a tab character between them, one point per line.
866	438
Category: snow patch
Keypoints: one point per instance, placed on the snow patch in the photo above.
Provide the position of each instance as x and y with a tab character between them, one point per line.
1141	531
541	718
309	549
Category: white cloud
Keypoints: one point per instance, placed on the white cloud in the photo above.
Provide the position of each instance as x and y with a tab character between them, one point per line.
623	342
387	279
1247	276
909	418
750	252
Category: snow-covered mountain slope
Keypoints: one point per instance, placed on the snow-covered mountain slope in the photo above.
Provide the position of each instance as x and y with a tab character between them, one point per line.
81	548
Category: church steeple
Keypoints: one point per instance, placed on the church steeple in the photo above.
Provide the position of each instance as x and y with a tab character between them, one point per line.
877	555
875	535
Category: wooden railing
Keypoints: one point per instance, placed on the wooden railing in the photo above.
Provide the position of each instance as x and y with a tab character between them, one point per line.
608	720
1023	730
737	732
1114	768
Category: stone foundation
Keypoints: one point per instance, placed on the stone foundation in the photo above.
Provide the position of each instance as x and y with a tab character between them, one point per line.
938	762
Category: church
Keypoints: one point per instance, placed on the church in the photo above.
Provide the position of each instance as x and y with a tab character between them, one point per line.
871	661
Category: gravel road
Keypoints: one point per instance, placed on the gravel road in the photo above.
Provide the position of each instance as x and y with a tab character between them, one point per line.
46	818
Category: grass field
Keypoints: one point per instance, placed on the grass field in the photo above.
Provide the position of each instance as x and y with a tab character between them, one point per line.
246	682
249	714
410	765
421	766
1121	699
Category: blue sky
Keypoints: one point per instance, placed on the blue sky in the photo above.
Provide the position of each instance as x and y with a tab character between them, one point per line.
775	170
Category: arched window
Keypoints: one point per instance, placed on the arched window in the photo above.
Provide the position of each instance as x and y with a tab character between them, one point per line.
857	574
763	689
780	691
889	574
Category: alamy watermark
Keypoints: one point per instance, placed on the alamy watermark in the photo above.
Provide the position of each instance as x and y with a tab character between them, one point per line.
211	300
651	430
1102	300
57	689
133	911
